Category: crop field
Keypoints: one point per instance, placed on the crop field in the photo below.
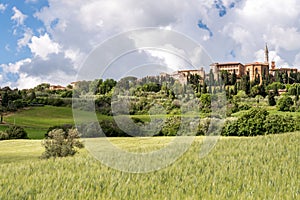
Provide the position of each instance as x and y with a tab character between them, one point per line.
264	167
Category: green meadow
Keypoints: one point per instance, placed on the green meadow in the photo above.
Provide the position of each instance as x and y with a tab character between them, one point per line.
264	167
37	120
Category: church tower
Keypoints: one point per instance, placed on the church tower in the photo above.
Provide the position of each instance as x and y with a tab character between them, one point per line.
266	54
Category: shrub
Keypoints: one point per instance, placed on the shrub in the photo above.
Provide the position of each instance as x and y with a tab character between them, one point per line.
64	127
171	126
244	106
279	124
230	128
61	144
271	99
251	123
16	132
285	103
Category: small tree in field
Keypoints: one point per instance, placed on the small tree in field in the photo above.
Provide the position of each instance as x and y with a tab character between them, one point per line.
61	144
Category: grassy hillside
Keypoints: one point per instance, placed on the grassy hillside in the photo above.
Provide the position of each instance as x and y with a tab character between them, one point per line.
37	120
265	167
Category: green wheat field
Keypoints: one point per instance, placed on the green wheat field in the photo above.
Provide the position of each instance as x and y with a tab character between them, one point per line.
264	167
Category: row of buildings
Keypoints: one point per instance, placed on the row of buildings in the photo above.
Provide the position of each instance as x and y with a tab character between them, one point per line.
254	70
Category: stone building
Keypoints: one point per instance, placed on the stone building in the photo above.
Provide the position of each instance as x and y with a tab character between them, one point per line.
254	70
273	69
230	67
182	75
257	70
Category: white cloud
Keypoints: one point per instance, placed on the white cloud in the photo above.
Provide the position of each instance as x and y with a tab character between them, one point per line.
285	37
14	67
18	16
29	81
76	27
297	60
26	81
273	56
43	46
27	35
3	7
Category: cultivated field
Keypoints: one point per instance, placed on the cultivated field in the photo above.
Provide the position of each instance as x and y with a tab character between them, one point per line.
265	167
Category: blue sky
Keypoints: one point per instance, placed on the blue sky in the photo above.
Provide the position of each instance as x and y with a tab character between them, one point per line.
11	32
48	40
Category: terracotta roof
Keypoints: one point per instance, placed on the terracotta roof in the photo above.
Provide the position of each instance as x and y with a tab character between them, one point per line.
227	63
257	63
192	70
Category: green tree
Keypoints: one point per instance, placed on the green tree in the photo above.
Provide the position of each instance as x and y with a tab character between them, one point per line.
5	99
285	103
271	99
16	132
245	84
233	78
205	100
204	91
252	122
32	95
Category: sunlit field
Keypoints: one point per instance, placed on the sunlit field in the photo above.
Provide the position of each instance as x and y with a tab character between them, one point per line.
264	167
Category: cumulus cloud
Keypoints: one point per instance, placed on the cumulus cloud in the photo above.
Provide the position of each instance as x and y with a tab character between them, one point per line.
230	30
43	46
14	67
55	63
286	38
27	81
18	16
10	72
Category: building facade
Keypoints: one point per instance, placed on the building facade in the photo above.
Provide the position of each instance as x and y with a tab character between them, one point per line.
182	75
255	70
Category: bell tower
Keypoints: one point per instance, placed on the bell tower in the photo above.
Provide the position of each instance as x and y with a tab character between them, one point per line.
266	54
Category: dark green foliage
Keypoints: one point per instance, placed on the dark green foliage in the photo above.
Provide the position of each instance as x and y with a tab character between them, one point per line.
225	77
243	106
233	78
275	86
271	99
67	94
205	100
5	99
230	129
16	132
285	104
32	96
245	84
151	87
61	144
279	124
251	123
171	126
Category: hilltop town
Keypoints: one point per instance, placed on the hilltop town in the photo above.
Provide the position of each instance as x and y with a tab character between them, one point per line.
255	70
